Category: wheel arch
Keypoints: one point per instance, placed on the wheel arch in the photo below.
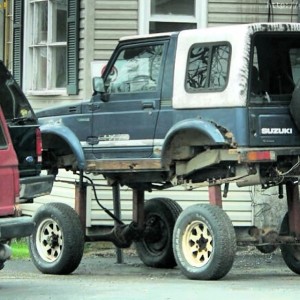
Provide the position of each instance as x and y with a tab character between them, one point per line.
62	136
191	132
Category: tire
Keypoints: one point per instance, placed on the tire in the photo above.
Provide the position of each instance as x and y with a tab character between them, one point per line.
204	242
57	243
290	253
155	248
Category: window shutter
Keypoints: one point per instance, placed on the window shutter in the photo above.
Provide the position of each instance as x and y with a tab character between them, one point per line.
18	40
73	47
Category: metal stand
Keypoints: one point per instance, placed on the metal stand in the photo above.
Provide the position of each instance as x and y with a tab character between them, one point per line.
215	195
117	213
138	198
80	200
293	201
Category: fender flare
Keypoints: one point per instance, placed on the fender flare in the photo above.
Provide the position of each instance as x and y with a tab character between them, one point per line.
205	128
70	138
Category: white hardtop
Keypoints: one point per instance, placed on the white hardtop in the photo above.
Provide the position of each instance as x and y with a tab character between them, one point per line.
238	36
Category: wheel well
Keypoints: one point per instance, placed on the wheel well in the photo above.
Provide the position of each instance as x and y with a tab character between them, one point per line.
185	144
57	153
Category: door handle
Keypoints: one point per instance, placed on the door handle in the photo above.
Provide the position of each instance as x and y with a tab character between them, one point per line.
148	105
94	106
92	140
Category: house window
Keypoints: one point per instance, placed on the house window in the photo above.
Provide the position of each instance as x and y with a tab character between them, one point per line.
208	67
47	47
171	15
50	46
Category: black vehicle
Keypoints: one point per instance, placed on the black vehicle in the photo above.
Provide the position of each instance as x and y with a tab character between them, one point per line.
26	137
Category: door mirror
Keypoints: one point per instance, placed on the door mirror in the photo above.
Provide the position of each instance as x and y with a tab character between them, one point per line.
99	88
98	85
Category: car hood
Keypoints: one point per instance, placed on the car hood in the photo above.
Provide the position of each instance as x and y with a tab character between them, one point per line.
61	110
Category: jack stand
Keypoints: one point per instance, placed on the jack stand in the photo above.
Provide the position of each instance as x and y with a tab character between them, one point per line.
293	201
138	198
80	200
117	212
215	195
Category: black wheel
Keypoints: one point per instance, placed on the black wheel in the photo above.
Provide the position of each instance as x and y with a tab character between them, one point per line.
155	248
290	253
57	243
204	242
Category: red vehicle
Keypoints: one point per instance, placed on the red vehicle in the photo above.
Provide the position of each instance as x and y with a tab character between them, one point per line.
20	161
10	226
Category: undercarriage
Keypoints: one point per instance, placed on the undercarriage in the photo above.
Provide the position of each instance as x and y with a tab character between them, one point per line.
165	235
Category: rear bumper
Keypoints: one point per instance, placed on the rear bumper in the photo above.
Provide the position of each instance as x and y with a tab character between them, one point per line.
15	227
36	186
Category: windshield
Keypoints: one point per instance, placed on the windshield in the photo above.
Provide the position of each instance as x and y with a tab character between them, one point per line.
137	69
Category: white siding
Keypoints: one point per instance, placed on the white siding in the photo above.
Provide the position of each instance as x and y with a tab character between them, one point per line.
245	11
102	23
113	19
238	204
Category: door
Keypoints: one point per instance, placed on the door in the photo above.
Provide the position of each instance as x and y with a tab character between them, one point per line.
9	175
124	121
274	74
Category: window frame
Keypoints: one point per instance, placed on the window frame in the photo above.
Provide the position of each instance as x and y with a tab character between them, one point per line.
22	32
145	17
268	97
210	58
32	46
136	95
159	78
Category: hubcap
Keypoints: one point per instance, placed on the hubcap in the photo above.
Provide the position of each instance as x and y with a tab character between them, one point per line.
49	240
197	244
156	234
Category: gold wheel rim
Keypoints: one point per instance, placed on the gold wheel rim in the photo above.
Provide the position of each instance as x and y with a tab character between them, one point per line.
197	244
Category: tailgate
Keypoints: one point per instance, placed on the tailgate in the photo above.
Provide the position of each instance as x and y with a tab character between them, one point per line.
24	141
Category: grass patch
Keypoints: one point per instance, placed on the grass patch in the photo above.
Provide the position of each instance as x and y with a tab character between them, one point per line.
19	249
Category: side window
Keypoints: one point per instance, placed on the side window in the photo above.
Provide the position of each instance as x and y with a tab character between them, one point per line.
13	102
6	101
208	67
3	143
136	70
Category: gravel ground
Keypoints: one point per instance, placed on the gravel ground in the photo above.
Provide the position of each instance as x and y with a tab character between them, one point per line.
253	276
247	258
101	259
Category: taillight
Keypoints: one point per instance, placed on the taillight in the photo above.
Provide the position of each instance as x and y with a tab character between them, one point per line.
258	156
38	145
